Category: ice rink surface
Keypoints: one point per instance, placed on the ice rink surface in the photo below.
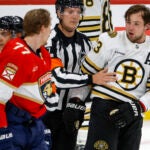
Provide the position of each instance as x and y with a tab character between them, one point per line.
145	142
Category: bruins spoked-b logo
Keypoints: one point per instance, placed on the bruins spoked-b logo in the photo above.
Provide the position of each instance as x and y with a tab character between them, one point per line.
130	74
101	145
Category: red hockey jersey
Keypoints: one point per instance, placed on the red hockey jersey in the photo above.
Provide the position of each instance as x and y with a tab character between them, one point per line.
25	79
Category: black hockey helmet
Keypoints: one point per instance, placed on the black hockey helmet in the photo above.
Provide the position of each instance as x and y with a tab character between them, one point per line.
17	24
61	4
6	23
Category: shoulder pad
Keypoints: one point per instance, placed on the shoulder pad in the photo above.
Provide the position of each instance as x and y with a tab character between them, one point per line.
112	34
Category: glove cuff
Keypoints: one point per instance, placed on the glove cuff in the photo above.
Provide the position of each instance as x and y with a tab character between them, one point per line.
143	108
76	103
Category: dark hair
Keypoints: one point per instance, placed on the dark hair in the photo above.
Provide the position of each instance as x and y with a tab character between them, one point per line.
35	19
145	12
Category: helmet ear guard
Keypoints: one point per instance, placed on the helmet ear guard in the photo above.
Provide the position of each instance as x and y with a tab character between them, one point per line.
17	24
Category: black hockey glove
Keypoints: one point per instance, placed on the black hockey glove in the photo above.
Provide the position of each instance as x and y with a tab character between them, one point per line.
73	115
5	139
125	113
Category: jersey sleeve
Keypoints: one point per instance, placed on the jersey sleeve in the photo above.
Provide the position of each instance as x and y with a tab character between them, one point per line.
98	57
64	79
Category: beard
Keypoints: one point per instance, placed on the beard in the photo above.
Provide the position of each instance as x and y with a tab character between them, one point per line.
135	39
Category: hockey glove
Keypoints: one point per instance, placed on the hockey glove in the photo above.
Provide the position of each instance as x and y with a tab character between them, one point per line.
73	115
125	113
5	139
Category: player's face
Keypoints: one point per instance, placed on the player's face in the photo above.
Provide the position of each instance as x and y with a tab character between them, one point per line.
70	18
135	28
5	36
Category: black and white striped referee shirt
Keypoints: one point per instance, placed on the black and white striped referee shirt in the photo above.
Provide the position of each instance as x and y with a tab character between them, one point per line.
71	51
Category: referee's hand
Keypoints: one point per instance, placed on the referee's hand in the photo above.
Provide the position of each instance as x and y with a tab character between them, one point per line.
103	77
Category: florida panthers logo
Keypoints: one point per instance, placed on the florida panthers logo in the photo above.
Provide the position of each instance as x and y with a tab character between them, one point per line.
130	74
47	87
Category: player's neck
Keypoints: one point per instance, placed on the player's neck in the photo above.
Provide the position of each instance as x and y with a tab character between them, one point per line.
33	42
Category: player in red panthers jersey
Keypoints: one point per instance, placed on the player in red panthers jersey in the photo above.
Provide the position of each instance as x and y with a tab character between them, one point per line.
25	83
5	31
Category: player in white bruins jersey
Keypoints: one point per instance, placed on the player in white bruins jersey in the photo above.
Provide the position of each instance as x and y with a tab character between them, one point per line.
96	19
116	119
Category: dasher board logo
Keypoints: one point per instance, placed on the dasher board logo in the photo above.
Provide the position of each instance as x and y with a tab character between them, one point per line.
45	86
10	71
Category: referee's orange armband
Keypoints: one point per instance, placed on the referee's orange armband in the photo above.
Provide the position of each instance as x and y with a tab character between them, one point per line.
56	62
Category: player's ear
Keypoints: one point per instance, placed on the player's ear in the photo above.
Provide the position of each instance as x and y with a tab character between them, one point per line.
147	26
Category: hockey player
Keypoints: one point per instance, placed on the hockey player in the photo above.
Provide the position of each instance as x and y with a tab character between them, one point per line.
25	84
70	46
5	31
116	119
96	19
18	26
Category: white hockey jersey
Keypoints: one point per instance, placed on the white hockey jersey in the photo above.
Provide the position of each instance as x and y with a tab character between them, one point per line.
130	61
96	18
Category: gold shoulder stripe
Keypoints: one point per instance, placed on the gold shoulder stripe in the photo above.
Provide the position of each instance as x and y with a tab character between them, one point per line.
91	17
93	64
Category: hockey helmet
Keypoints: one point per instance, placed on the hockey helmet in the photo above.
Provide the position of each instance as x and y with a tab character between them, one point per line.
6	23
17	24
61	4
